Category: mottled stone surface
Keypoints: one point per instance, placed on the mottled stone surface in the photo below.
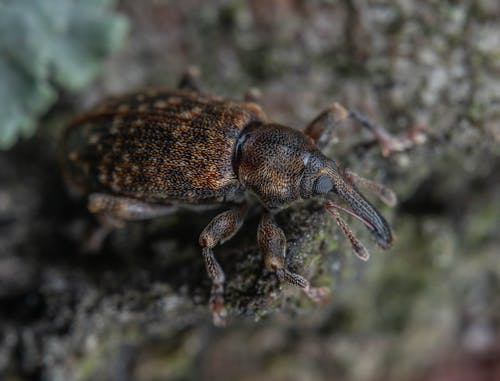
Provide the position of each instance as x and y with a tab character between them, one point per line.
426	310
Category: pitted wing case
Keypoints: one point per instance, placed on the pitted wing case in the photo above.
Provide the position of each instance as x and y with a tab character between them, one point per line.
159	146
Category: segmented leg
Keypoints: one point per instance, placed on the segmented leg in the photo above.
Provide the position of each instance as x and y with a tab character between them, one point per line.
124	208
112	211
321	130
224	226
322	127
190	79
388	142
272	244
384	194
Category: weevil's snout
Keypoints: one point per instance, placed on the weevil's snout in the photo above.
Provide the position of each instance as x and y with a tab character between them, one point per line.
323	178
362	209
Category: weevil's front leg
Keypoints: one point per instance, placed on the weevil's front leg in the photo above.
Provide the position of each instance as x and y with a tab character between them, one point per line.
321	130
272	244
388	142
322	127
223	227
112	211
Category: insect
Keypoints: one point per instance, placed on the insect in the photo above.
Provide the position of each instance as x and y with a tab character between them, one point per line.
144	155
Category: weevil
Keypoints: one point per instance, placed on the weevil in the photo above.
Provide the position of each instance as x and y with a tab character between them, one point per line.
146	154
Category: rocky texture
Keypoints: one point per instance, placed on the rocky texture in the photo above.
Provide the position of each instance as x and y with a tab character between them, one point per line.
426	310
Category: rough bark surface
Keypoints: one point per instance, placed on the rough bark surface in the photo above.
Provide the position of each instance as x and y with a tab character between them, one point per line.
426	310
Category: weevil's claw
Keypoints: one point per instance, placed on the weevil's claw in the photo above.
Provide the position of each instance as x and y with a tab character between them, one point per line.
219	312
401	143
219	318
387	141
319	295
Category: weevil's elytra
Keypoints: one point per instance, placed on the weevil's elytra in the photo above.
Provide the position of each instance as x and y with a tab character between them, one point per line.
143	155
181	151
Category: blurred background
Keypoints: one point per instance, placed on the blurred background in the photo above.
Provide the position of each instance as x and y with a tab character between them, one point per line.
426	310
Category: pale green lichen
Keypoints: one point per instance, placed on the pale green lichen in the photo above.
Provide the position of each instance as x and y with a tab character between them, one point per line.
46	45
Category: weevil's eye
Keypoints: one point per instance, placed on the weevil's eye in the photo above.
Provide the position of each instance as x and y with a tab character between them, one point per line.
323	185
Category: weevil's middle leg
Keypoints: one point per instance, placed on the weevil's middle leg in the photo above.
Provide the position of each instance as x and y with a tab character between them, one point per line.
223	227
272	244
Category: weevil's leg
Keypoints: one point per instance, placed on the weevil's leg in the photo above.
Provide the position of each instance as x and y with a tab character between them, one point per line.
388	142
322	127
124	208
112	211
272	244
223	227
97	236
321	130
190	79
385	194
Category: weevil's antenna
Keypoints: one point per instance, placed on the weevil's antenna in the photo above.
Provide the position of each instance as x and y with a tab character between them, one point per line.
331	205
383	193
360	206
358	247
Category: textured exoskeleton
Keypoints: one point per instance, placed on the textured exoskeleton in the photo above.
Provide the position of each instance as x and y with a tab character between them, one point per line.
143	155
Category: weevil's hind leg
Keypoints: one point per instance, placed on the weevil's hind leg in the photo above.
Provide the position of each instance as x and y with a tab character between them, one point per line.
124	208
223	227
98	235
272	244
191	79
112	211
383	193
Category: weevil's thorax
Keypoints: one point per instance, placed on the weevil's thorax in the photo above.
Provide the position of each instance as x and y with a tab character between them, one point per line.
270	160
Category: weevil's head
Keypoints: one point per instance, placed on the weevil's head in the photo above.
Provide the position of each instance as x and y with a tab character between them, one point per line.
322	177
281	165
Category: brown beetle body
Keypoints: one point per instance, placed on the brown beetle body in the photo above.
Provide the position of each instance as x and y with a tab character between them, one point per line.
160	147
141	155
